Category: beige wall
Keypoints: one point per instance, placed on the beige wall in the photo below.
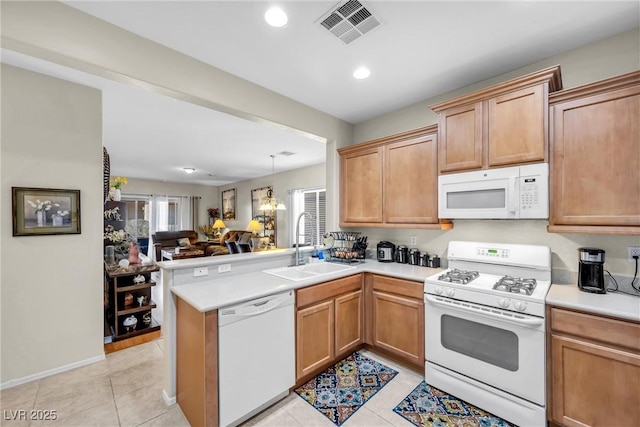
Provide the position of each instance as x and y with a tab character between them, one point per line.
607	58
51	286
309	177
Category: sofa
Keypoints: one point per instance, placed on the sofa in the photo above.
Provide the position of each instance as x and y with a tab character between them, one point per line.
233	241
163	240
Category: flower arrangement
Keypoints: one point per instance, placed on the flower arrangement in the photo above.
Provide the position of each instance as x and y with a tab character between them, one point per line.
118	182
207	230
214	213
42	206
119	238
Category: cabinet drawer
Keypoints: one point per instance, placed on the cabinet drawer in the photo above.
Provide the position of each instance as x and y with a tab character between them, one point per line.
323	291
407	288
611	331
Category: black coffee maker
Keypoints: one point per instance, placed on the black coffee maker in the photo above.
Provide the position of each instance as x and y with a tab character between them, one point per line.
591	270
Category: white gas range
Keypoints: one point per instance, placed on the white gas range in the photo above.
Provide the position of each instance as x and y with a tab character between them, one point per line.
485	328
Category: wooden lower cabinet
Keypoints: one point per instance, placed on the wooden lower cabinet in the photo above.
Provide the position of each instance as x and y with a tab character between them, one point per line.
197	364
594	370
315	337
348	326
395	323
329	323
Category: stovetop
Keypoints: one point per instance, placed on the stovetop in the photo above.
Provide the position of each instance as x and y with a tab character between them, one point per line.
510	277
506	286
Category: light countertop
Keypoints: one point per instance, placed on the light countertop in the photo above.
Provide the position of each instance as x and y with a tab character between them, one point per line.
222	292
617	305
213	294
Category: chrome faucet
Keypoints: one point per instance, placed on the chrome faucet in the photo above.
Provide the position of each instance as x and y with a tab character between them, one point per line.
299	260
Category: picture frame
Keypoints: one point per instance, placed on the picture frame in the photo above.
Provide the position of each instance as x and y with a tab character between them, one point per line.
45	211
229	204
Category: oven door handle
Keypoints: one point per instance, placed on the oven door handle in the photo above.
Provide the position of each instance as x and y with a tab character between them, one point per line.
528	321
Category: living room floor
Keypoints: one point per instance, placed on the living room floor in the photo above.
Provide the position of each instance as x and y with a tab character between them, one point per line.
125	389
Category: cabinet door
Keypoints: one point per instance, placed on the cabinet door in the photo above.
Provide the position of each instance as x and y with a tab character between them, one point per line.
593	385
411	181
315	338
349	331
460	138
361	186
518	126
595	178
398	326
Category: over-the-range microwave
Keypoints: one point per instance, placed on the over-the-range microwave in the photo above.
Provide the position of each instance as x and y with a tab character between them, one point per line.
520	192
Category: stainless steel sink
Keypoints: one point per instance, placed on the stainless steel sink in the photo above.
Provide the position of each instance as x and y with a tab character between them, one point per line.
301	272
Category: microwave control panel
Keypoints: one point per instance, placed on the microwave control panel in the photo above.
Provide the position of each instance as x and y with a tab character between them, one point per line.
533	196
529	193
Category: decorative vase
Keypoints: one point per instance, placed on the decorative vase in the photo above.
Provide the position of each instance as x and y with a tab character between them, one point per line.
41	217
116	195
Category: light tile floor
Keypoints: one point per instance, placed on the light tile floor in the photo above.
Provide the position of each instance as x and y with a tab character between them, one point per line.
126	390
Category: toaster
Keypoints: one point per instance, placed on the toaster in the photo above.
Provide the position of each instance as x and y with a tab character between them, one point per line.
386	251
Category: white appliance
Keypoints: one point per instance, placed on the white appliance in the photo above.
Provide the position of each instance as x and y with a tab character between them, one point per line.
485	328
256	352
505	193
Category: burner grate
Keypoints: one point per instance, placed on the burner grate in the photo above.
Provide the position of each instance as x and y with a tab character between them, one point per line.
459	276
515	285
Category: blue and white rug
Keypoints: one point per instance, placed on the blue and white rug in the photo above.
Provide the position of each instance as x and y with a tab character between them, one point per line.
428	406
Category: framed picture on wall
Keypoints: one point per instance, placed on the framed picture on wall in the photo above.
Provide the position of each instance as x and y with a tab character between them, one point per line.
43	211
229	204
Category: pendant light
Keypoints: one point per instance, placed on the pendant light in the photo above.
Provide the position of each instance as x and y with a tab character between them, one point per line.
270	203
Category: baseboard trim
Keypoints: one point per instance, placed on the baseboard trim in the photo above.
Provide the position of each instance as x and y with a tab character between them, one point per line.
48	373
169	401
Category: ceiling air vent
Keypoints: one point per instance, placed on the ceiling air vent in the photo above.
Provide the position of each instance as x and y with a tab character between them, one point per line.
349	20
286	153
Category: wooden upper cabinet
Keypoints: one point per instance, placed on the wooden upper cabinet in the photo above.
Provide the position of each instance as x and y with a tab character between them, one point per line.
361	186
460	138
518	126
391	182
410	184
502	125
595	158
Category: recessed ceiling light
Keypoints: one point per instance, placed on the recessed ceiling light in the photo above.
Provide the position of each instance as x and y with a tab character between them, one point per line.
276	17
361	73
188	170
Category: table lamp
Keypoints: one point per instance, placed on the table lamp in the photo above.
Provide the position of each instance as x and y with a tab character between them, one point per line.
254	226
218	224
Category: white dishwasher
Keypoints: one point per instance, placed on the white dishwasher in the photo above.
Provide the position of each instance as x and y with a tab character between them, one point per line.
256	352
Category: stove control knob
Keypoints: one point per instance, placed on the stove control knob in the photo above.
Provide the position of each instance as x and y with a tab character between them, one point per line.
520	305
438	290
503	302
451	292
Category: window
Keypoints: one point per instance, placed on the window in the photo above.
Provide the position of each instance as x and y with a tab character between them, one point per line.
312	201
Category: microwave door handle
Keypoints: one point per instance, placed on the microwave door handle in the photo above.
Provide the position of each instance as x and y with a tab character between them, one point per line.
513	197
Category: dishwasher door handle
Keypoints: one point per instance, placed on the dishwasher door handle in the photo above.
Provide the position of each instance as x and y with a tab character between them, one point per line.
257	308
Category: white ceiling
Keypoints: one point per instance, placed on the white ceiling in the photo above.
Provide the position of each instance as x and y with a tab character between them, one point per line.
421	49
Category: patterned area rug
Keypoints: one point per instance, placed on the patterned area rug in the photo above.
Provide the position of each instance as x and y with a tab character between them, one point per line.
428	406
343	388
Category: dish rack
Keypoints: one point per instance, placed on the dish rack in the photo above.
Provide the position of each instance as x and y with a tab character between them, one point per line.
345	246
